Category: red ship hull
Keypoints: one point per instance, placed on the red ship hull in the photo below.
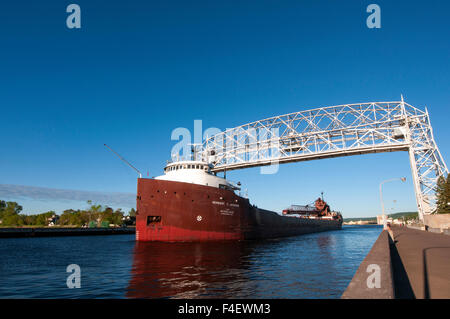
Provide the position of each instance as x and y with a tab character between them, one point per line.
176	211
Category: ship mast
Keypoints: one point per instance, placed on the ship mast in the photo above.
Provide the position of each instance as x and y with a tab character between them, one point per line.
194	150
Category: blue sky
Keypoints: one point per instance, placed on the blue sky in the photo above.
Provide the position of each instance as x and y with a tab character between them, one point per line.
136	70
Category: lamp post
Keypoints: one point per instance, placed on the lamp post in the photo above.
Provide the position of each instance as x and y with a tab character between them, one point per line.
403	179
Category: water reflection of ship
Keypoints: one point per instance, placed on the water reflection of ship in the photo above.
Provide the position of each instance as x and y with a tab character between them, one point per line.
187	270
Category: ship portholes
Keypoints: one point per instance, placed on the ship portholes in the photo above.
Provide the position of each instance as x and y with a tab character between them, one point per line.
199	218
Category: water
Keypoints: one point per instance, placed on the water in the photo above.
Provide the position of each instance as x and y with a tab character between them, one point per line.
317	265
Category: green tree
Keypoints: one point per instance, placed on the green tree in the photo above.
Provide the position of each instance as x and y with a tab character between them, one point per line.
443	195
2	209
12	220
94	211
12	208
72	217
9	214
117	217
43	219
2	205
29	219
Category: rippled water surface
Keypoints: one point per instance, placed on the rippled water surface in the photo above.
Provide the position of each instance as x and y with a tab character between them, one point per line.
317	265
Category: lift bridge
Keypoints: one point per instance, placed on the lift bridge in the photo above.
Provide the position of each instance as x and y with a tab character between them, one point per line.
342	130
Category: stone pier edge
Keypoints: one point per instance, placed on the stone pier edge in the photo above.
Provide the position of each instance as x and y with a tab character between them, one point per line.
379	255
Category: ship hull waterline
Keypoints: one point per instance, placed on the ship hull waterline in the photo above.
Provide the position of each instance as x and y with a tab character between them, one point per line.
172	211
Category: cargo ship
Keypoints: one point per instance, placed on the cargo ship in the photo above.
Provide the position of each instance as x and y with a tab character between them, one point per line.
189	202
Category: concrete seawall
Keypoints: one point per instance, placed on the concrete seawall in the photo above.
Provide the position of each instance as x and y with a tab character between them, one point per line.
379	256
412	264
55	232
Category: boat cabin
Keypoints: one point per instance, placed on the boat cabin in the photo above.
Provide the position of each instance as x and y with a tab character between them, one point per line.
195	172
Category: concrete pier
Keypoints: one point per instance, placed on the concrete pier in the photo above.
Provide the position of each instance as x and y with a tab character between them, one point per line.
412	264
379	255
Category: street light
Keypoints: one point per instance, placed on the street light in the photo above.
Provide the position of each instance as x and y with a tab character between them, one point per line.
403	179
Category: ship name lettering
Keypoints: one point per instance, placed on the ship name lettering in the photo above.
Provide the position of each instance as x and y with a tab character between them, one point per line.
218	203
226	212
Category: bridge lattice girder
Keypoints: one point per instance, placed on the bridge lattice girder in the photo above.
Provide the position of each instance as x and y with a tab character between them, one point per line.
334	131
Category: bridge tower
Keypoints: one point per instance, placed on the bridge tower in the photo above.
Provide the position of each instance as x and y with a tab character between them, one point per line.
427	164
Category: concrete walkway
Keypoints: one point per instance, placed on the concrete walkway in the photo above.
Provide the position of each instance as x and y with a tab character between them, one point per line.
423	264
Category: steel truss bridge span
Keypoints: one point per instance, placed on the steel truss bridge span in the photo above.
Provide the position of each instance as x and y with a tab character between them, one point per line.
334	131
